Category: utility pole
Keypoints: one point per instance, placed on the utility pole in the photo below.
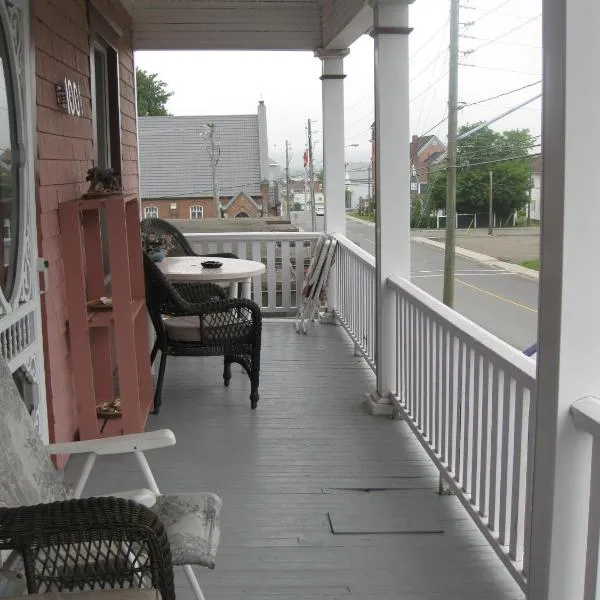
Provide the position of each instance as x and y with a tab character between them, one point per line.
451	171
288	158
311	177
450	250
491	224
214	152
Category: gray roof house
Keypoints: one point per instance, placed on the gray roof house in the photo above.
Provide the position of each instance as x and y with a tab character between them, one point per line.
175	162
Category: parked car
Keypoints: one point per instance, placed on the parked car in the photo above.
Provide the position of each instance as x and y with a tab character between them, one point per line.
320	211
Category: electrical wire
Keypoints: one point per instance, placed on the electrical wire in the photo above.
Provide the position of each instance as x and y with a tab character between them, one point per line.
503	35
500	95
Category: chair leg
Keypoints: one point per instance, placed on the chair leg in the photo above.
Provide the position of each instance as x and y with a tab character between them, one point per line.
226	372
193	581
159	382
154	352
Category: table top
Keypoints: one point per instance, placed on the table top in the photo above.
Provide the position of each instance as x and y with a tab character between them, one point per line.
189	268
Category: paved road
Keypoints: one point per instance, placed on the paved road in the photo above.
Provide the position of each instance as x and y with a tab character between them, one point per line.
499	301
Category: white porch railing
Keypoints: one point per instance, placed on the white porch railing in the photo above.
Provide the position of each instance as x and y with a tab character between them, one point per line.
586	415
355	286
281	252
466	394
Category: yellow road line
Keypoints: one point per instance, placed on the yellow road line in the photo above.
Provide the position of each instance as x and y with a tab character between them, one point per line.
502	298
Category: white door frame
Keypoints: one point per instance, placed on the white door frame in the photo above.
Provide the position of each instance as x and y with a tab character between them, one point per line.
20	314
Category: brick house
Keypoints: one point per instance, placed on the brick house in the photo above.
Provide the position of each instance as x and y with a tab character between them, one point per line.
176	165
425	151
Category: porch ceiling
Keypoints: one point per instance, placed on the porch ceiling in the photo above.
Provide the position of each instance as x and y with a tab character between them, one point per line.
245	24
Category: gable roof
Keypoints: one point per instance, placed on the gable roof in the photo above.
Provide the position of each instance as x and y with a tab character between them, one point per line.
174	161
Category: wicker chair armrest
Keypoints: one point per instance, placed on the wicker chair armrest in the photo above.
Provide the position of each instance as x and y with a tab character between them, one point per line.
197	293
185	308
89	543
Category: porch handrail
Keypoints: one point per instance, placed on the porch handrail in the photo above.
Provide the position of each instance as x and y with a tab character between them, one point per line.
469	398
586	416
354	276
286	254
476	334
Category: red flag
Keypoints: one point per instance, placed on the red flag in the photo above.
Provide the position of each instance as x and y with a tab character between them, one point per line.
305	158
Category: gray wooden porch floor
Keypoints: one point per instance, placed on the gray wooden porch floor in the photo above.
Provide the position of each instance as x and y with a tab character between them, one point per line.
308	450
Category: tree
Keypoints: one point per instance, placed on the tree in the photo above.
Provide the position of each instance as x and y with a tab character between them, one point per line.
506	154
152	94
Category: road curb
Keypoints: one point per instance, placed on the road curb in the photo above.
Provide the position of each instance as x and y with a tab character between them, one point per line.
357	220
483	259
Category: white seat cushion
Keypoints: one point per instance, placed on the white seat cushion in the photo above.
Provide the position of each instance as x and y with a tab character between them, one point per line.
193	527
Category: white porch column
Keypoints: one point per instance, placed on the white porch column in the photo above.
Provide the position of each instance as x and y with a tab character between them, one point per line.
334	170
569	321
392	181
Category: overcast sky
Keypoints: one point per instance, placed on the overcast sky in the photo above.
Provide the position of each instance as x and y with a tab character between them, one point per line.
506	35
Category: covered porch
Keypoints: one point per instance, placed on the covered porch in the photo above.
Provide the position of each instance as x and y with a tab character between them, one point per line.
512	439
308	454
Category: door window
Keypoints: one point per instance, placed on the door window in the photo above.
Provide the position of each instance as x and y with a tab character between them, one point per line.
9	175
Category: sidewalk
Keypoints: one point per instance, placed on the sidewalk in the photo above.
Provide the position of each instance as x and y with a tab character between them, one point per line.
494	251
512	248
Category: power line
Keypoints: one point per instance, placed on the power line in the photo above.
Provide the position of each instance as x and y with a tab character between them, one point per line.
501	95
429	40
437	124
429	87
517	44
490	12
499	69
503	35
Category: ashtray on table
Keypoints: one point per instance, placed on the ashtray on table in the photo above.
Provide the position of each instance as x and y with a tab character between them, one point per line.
211	264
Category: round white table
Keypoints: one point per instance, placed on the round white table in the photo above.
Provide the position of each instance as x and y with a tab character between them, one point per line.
234	270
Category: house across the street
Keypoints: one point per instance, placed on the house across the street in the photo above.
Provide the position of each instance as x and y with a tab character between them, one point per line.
176	174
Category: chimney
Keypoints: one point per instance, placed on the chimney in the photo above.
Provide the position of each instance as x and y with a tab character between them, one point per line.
263	141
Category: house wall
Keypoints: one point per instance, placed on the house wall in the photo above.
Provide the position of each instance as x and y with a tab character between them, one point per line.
64	153
241	203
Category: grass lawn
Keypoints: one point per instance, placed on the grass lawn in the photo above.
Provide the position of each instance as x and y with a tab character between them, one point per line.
531	264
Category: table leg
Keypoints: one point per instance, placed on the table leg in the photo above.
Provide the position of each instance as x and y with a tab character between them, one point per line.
247	289
233	289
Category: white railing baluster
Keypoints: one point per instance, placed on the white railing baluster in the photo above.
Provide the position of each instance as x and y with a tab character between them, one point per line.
484	469
257	291
475	452
505	428
466	421
516	513
445	396
271	278
528	482
286	273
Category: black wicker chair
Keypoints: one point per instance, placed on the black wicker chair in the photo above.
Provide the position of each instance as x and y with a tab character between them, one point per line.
202	321
90	544
180	245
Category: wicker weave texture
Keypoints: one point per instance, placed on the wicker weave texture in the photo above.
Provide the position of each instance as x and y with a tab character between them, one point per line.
89	544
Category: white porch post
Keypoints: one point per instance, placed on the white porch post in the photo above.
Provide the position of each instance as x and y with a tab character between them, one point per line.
569	321
334	171
392	181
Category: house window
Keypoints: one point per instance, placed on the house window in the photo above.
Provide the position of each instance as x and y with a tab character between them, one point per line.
106	119
196	212
150	212
422	188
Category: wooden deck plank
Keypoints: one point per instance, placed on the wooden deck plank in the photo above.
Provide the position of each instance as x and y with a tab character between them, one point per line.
309	448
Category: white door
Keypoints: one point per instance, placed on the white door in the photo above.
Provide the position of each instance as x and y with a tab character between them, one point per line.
20	316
